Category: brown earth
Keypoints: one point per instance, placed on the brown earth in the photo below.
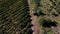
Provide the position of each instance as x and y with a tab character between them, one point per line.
34	21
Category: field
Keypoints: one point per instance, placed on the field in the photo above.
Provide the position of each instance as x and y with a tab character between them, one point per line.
14	17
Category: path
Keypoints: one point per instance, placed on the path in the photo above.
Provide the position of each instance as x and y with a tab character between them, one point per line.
34	21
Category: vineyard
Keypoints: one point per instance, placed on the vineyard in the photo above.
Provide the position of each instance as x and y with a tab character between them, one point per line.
14	17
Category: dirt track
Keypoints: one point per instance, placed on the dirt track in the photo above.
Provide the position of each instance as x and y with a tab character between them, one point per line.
35	26
34	21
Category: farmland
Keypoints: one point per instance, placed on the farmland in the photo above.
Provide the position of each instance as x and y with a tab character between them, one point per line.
14	17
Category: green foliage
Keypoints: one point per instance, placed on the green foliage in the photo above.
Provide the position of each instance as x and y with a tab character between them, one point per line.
42	20
51	9
46	31
50	32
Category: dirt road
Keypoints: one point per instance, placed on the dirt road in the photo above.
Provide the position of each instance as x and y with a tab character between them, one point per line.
34	21
35	26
